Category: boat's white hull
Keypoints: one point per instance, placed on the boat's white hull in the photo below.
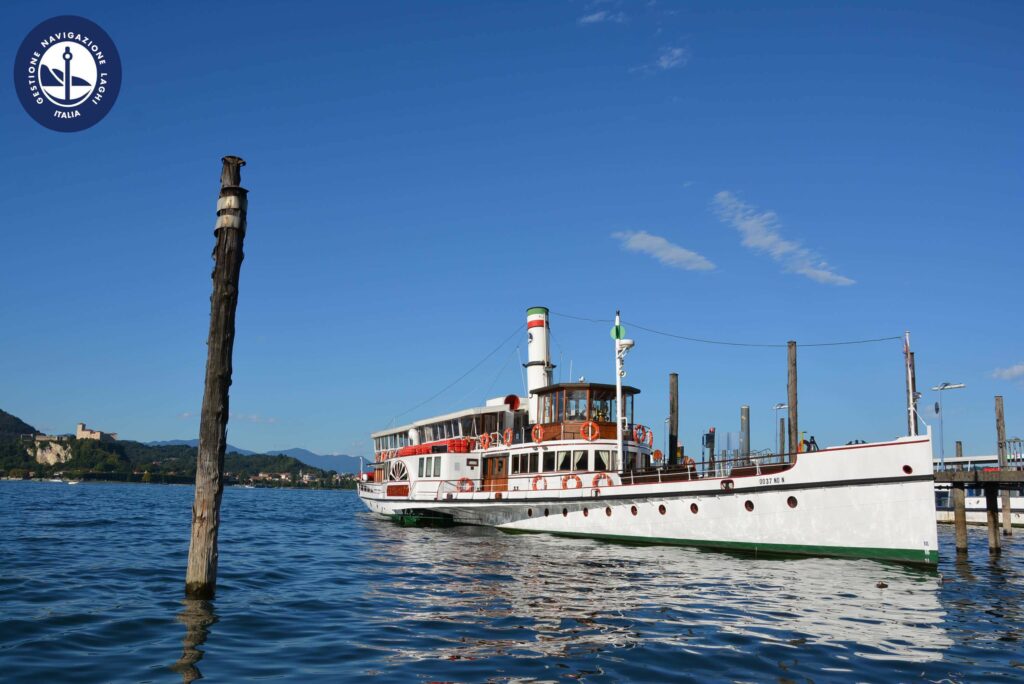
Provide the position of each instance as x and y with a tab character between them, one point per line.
873	500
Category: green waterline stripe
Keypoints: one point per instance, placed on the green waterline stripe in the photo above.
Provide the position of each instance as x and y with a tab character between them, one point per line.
918	556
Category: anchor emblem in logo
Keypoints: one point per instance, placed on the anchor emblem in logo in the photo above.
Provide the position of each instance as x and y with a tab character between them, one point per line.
67	74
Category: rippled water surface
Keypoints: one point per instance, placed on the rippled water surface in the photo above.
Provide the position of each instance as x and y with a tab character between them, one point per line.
314	588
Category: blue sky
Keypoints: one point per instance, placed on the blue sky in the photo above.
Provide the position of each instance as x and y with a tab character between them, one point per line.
421	173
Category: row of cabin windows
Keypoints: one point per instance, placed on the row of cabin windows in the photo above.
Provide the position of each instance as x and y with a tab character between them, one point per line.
554	461
582	404
467	426
394	441
429	466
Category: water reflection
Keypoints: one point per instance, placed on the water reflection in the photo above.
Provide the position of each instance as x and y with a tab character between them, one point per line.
197	616
536	596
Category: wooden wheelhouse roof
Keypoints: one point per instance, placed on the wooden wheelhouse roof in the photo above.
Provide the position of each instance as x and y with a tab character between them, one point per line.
626	389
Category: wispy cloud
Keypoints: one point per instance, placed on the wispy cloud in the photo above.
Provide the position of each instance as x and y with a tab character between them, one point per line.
664	251
602	16
760	232
254	418
672	57
185	415
1009	373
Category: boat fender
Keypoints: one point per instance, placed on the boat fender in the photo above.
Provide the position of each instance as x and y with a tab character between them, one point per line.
601	477
571	476
539	480
465	485
590	431
537	433
507	437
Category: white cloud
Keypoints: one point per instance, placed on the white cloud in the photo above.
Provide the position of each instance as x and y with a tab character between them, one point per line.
672	57
184	415
254	418
760	232
664	251
1009	373
602	16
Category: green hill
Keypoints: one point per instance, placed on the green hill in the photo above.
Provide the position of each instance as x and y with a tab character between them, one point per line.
12	426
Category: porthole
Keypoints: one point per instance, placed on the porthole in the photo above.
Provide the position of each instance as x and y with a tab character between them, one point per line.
791	502
565	512
529	512
693	508
608	510
586	512
661	509
749	505
545	512
907	469
632	509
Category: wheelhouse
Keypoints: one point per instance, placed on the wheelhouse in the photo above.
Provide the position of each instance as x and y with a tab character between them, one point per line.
566	407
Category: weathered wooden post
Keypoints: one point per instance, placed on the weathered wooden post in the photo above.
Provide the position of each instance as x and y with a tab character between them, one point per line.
744	432
992	516
959	516
1001	447
201	575
959	453
673	418
782	435
794	430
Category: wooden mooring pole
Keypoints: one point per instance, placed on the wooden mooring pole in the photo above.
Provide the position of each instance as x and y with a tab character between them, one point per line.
992	517
201	575
673	419
794	430
959	496
782	435
1001	446
745	432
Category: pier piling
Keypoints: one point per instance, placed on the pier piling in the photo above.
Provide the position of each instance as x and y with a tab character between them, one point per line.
794	431
744	431
782	436
1001	447
992	517
960	516
201	575
673	418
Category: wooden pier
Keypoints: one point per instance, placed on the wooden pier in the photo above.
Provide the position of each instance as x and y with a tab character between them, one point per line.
991	482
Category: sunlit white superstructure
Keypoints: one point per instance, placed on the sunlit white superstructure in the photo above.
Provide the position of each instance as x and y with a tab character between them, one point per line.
571	459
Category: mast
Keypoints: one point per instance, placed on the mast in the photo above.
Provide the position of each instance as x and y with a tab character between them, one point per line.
621	347
911	399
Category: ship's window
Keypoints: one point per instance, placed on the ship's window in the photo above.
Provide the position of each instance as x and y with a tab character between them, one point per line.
576	405
579	460
437	466
419	470
602	405
515	464
564	460
549	461
532	462
628	401
559	399
601	459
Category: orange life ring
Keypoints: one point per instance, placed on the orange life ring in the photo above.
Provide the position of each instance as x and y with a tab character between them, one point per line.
650	438
571	476
485	441
507	436
657	456
541	480
590	431
599	477
465	484
537	433
639	433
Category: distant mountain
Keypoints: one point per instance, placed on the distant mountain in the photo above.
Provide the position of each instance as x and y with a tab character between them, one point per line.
195	443
341	463
12	426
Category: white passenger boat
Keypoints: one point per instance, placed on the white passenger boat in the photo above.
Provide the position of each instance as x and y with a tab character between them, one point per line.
571	459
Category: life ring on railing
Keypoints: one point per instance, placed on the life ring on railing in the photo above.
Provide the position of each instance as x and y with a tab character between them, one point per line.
590	431
537	433
657	456
485	441
465	485
539	479
599	477
639	433
650	437
507	436
571	476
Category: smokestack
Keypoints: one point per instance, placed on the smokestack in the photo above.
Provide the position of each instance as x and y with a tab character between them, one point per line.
538	368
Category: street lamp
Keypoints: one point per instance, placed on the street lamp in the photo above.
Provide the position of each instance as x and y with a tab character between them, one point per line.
778	407
942	433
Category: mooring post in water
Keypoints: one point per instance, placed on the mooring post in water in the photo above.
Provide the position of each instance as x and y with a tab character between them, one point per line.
1001	447
745	432
782	436
959	516
992	517
673	418
794	430
201	575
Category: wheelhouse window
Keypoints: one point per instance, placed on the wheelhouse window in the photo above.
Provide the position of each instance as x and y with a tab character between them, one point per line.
576	405
602	405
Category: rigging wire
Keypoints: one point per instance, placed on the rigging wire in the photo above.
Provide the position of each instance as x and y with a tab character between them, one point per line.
725	343
461	377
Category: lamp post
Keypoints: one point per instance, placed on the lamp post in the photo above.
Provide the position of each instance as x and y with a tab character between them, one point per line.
778	407
942	432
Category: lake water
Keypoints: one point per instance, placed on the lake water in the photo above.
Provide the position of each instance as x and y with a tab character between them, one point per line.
313	588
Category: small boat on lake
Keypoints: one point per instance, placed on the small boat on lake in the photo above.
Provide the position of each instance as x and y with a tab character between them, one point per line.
572	459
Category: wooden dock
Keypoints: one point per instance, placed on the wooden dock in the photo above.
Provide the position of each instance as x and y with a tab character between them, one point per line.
991	482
